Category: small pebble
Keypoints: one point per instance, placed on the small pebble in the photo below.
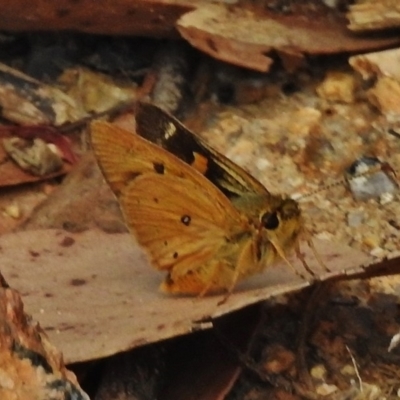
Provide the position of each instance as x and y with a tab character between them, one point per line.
377	185
318	372
231	126
6	381
371	240
304	121
324	235
355	218
377	252
348	370
13	211
48	189
241	152
278	360
54	149
325	390
331	3
386	198
337	86
262	164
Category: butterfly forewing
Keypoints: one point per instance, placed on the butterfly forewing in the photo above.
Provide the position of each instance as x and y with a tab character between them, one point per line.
161	128
123	156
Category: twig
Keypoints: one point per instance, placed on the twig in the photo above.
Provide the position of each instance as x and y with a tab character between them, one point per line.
356	369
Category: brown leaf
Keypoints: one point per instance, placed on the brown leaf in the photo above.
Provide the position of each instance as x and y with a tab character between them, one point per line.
99	296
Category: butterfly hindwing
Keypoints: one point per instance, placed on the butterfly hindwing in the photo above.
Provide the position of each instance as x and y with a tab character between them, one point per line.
188	225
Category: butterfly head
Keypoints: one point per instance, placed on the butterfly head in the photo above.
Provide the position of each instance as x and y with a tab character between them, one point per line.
276	219
281	221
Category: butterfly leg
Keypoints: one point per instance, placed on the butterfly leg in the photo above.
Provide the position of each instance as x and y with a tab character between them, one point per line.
231	287
245	258
317	256
216	271
301	257
206	289
308	238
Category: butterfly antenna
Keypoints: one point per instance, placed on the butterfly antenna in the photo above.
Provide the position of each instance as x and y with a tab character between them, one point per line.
384	167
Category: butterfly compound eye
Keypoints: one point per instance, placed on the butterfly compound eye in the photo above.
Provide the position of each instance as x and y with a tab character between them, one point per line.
270	220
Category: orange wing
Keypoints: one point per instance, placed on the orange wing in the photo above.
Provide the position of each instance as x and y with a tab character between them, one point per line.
186	224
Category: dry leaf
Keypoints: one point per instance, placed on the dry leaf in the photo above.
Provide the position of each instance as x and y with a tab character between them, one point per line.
95	92
11	174
34	156
95	293
49	134
29	102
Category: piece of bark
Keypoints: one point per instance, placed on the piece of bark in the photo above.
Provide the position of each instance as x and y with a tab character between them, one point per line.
377	64
30	366
111	17
373	15
382	66
242	37
157	18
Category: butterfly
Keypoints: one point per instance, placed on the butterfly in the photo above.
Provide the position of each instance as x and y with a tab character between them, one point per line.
202	218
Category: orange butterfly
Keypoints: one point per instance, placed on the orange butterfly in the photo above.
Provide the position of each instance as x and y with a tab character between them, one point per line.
207	231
